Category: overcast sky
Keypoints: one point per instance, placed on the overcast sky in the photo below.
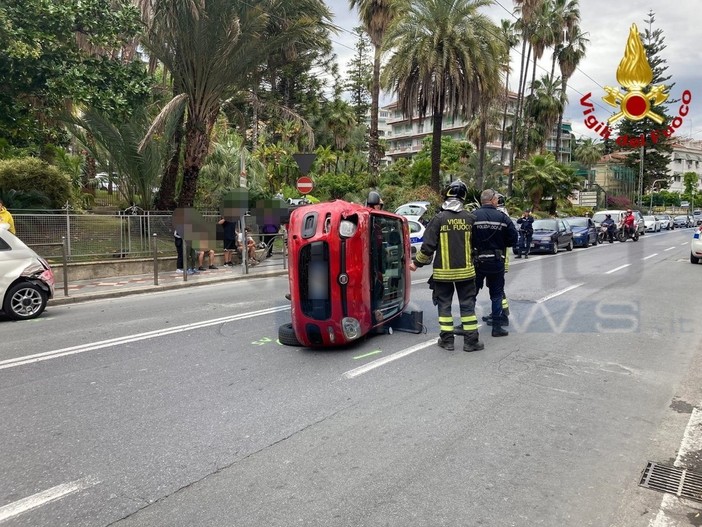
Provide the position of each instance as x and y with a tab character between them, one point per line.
607	23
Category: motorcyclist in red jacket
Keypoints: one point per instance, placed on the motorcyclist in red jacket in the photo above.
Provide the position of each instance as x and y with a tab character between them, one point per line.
629	223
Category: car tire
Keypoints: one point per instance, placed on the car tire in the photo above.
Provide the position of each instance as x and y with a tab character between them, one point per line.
596	242
555	248
25	301
286	335
569	247
694	259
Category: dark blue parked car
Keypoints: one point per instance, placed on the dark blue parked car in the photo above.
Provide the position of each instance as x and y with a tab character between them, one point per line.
551	235
584	231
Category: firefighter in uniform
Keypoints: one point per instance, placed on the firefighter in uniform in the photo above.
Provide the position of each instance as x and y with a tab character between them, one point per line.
448	239
493	234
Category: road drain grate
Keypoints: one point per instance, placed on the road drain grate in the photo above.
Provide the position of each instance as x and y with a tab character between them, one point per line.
673	480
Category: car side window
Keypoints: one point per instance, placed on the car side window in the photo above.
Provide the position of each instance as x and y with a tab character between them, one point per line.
414	227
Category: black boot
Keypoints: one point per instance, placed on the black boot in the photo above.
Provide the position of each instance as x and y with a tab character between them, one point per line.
446	342
471	342
497	331
504	321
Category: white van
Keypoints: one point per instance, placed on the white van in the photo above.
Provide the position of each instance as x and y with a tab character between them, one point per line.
26	279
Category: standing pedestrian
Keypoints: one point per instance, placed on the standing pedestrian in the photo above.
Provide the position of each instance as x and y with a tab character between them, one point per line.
447	239
526	232
229	237
269	231
493	233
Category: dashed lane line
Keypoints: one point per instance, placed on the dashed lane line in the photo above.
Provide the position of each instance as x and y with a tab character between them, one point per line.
617	269
381	362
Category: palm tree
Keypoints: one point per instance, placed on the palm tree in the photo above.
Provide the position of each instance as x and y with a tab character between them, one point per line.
544	106
376	17
588	152
446	57
569	56
212	49
538	177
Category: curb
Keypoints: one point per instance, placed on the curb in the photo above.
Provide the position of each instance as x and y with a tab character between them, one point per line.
156	288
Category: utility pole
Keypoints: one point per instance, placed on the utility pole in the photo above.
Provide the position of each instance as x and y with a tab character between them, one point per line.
641	175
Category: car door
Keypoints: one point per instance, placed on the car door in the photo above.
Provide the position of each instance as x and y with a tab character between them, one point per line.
562	234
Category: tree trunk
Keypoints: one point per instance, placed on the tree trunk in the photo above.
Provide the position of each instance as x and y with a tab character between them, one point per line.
437	121
197	142
560	122
504	123
166	194
373	159
481	151
516	120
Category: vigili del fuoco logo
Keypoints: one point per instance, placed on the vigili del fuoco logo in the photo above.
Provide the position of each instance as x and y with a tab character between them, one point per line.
634	74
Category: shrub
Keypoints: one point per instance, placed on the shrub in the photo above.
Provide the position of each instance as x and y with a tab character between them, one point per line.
28	173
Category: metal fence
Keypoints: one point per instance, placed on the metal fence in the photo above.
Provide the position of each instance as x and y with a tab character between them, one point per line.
128	234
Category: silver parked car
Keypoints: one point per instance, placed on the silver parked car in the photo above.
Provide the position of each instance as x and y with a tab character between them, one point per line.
26	279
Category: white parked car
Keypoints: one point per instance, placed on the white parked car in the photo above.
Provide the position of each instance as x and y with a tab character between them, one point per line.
666	221
26	279
696	246
651	224
416	229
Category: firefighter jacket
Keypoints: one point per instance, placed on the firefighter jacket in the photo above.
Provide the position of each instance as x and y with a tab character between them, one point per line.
447	238
493	234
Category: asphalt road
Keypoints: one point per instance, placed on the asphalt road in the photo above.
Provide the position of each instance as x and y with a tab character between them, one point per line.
179	408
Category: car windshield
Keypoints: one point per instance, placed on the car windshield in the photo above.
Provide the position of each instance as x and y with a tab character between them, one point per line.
545	225
649	218
577	222
599	218
387	264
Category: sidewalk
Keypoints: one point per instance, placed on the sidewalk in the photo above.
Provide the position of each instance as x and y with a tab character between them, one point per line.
81	290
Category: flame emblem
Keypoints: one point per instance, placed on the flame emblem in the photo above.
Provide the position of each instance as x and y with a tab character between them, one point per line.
634	73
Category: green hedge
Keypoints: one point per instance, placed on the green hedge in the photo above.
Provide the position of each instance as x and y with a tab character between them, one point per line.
28	173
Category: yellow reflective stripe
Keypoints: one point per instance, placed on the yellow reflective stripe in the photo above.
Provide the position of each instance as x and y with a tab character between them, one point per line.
443	242
505	304
446	328
469	318
470	327
469	257
422	258
453	275
470	323
445	320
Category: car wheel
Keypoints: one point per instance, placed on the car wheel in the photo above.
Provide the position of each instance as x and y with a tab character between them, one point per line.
286	335
596	241
694	259
569	247
555	248
24	301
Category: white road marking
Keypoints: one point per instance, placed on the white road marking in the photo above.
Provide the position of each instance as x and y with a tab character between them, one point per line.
44	497
48	355
668	249
617	269
691	442
684	244
557	293
651	256
384	360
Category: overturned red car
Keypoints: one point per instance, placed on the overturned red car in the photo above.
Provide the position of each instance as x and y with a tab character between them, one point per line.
348	273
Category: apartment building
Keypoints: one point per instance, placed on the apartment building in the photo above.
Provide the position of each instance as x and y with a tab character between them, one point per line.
405	138
686	157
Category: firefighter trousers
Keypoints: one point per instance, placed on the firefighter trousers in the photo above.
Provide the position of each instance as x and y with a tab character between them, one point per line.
443	297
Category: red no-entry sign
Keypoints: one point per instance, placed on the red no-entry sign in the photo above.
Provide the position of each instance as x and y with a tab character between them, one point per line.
305	185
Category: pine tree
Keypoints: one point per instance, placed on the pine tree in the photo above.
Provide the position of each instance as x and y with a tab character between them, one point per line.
656	156
360	75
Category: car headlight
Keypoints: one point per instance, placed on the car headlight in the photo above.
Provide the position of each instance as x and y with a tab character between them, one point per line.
351	328
347	228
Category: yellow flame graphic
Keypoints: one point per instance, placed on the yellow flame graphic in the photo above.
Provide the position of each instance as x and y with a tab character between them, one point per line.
634	71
